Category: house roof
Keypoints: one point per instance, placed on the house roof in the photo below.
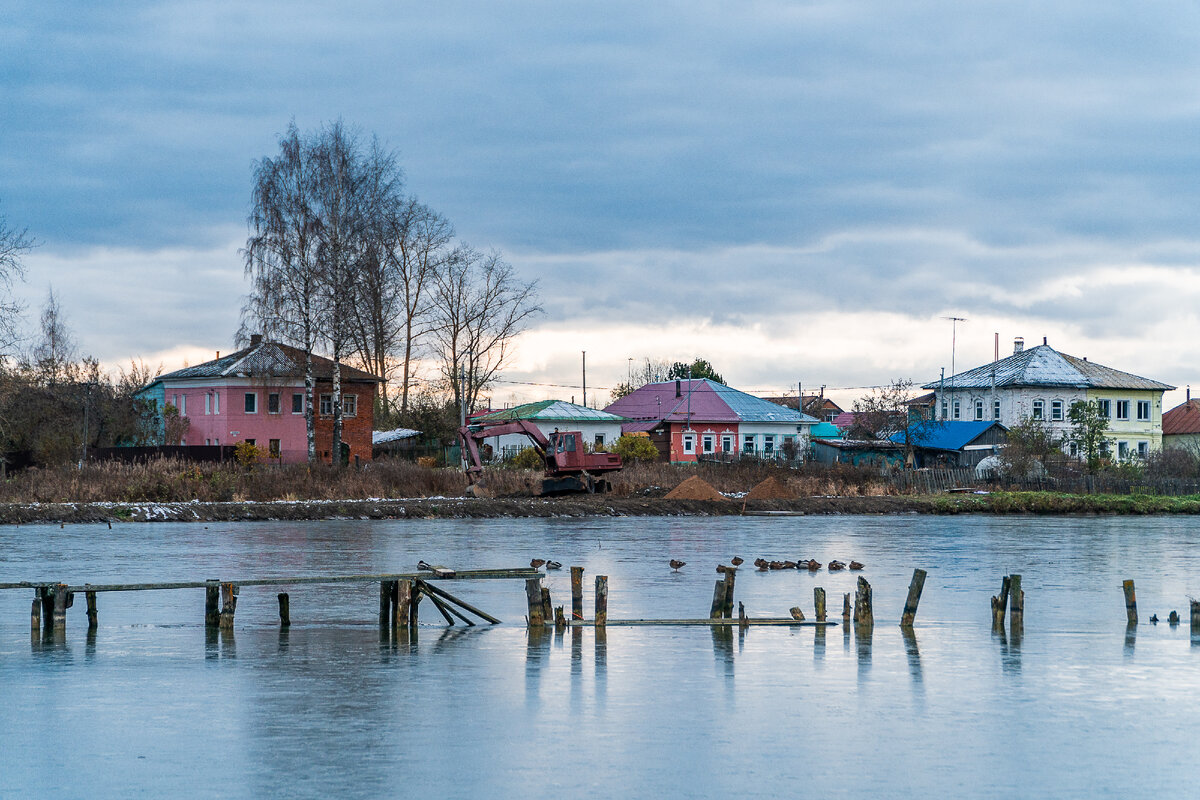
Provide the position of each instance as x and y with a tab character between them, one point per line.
825	430
394	435
946	434
1183	418
702	400
267	359
553	411
1045	366
879	445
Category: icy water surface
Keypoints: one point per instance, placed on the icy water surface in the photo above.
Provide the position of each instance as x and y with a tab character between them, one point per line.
152	705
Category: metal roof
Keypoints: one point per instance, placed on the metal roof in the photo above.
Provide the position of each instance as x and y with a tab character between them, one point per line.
1045	366
945	435
702	400
1182	419
553	411
268	359
394	435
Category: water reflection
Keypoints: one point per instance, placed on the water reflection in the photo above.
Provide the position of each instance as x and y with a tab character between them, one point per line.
913	652
722	640
819	645
1010	648
863	633
1130	638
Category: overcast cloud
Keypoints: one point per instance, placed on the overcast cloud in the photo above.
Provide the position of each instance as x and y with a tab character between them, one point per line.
798	191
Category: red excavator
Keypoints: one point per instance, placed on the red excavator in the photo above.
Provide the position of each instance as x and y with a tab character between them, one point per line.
569	468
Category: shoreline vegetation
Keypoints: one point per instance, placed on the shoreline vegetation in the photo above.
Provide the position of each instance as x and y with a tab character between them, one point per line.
173	491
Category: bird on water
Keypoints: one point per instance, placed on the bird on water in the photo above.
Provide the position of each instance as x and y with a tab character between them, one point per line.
737	561
836	565
856	565
537	563
553	565
675	565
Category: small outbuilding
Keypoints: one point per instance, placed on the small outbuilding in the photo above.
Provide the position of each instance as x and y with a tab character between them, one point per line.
950	443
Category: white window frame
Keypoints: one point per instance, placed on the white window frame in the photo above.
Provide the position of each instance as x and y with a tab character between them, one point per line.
1143	449
689	444
945	409
769	444
246	402
1146	405
349	405
326	397
748	443
1123	405
708	443
728	442
978	410
957	410
1122	450
207	406
1038	410
996	409
1056	410
216	402
1104	408
183	405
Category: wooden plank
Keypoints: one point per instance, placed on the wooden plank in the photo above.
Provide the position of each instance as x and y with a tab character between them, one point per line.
429	587
440	606
722	623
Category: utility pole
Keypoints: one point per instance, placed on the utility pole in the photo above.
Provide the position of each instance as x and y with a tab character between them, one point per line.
953	337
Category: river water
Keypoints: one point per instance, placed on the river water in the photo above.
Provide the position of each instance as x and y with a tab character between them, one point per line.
152	705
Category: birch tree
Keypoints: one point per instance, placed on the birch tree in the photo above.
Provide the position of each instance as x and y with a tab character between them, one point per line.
480	307
281	258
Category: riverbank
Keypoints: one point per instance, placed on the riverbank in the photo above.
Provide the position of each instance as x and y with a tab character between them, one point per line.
1000	503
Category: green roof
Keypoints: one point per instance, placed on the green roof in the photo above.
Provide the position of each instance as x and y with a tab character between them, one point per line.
553	411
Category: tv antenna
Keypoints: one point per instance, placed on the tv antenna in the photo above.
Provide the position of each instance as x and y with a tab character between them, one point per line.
953	338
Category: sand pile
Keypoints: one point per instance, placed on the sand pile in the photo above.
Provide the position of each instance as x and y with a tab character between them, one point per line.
695	489
770	489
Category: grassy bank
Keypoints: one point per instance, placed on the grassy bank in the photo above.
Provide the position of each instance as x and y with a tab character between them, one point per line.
1060	503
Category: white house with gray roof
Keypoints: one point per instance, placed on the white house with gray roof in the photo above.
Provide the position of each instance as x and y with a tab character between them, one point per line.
1042	383
599	428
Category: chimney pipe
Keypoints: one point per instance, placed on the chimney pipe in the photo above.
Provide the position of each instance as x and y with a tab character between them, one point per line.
1189	393
255	339
678	388
1043	340
1018	344
218	355
997	353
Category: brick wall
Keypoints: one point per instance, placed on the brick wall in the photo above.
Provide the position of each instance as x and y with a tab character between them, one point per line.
356	430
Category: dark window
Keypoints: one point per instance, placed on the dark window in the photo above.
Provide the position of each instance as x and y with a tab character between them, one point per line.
349	405
273	447
569	443
297	404
250	441
251	403
326	405
273	403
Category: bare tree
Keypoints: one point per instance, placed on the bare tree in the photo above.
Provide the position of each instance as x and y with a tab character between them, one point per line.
14	243
281	258
480	306
54	353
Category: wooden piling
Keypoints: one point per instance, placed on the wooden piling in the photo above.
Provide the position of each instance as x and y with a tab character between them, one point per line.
403	603
819	603
601	601
547	606
560	619
387	589
414	604
46	594
1000	604
92	614
743	622
863	614
61	596
212	600
35	615
576	592
1130	603
914	597
718	601
228	605
533	597
730	579
1195	616
846	608
285	610
1016	602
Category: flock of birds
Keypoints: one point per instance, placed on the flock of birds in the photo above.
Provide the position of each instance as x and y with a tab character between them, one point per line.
810	564
538	563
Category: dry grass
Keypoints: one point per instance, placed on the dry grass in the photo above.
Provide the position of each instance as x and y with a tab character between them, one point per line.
177	481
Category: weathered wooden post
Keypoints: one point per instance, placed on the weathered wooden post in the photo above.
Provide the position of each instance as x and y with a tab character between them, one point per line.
35	613
285	610
914	597
414	605
47	595
1130	603
1195	616
560	619
92	614
228	605
212	600
819	603
730	578
1000	604
547	606
387	589
403	602
846	608
1016	602
718	601
61	603
863	615
577	593
533	597
743	622
601	601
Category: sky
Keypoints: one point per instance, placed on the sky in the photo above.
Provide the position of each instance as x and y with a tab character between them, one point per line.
800	192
